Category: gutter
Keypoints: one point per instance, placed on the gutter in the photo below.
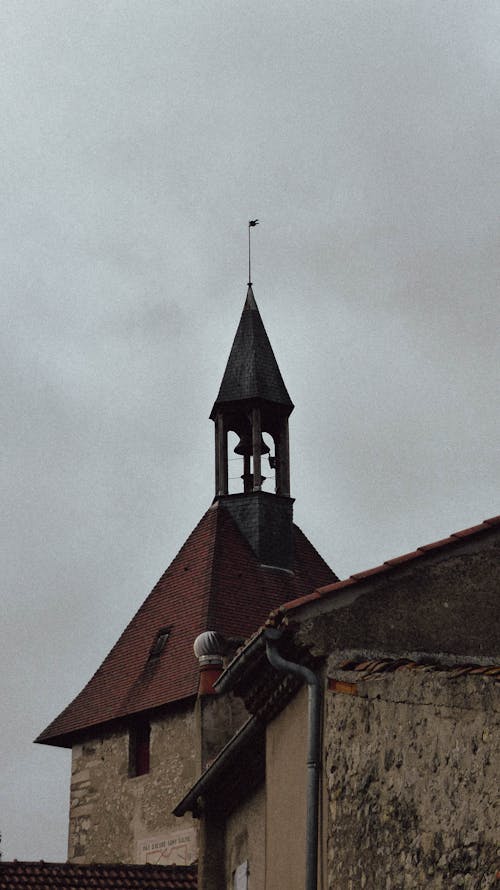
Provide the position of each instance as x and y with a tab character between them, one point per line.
228	757
272	635
240	661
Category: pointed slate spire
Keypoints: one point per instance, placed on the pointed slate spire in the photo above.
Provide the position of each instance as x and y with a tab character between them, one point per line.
253	401
252	371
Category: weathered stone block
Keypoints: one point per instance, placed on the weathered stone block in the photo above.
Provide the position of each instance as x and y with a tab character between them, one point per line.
119	811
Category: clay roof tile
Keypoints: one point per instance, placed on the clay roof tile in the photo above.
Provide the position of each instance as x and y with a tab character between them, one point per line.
66	876
226	589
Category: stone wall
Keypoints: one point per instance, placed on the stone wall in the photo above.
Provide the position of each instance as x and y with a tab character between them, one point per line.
411	778
113	816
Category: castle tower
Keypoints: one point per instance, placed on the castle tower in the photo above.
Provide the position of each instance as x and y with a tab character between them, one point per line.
134	729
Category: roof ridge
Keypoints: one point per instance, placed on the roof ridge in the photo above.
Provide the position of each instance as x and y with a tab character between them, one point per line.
110	876
101	865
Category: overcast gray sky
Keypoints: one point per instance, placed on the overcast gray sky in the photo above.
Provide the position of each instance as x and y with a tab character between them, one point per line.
137	139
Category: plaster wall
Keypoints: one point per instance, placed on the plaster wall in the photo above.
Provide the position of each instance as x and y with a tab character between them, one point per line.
412	769
111	814
245	834
286	757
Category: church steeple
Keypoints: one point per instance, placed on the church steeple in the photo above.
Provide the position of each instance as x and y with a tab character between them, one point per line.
252	371
253	400
244	558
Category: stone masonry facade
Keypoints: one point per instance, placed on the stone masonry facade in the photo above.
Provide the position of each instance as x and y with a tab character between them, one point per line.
411	774
112	813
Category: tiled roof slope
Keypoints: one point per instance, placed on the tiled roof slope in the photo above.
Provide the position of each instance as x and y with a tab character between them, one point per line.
373	667
252	371
64	876
214	583
332	588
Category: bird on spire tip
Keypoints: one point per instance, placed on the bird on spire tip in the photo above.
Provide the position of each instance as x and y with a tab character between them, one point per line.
251	224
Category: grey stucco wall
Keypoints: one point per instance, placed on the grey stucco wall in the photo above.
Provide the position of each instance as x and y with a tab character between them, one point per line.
411	778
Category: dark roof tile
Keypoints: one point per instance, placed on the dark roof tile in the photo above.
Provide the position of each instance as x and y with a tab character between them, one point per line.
252	371
66	876
495	520
398	560
464	533
359	576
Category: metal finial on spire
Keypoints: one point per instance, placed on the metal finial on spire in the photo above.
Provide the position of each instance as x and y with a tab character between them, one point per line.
251	223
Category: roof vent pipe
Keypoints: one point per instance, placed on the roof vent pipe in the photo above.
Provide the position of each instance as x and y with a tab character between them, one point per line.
272	635
208	648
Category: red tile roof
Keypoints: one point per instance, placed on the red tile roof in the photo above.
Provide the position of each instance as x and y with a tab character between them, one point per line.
332	589
214	583
64	876
371	668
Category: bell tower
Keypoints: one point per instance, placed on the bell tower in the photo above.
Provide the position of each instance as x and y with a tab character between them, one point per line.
252	401
135	721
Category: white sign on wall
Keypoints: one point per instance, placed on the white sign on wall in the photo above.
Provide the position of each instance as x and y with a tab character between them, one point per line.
172	848
240	877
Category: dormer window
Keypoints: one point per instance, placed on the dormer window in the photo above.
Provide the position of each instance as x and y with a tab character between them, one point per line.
159	643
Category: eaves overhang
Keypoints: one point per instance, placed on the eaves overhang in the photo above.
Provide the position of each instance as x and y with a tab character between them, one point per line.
242	663
68	739
264	689
226	774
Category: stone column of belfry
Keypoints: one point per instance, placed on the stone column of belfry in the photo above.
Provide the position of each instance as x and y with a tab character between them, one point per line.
283	461
256	446
221	463
247	477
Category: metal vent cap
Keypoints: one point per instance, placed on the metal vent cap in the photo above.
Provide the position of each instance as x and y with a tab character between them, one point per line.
208	647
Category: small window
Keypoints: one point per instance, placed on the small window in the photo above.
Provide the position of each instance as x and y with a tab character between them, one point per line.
159	643
139	739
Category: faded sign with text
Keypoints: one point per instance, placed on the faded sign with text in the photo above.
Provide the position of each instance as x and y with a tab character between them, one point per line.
173	848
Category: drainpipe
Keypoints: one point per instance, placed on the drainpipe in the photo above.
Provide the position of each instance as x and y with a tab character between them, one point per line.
272	635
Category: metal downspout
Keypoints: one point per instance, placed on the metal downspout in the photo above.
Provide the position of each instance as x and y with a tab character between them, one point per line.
272	635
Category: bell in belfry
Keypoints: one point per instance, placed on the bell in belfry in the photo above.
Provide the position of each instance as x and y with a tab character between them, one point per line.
245	446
